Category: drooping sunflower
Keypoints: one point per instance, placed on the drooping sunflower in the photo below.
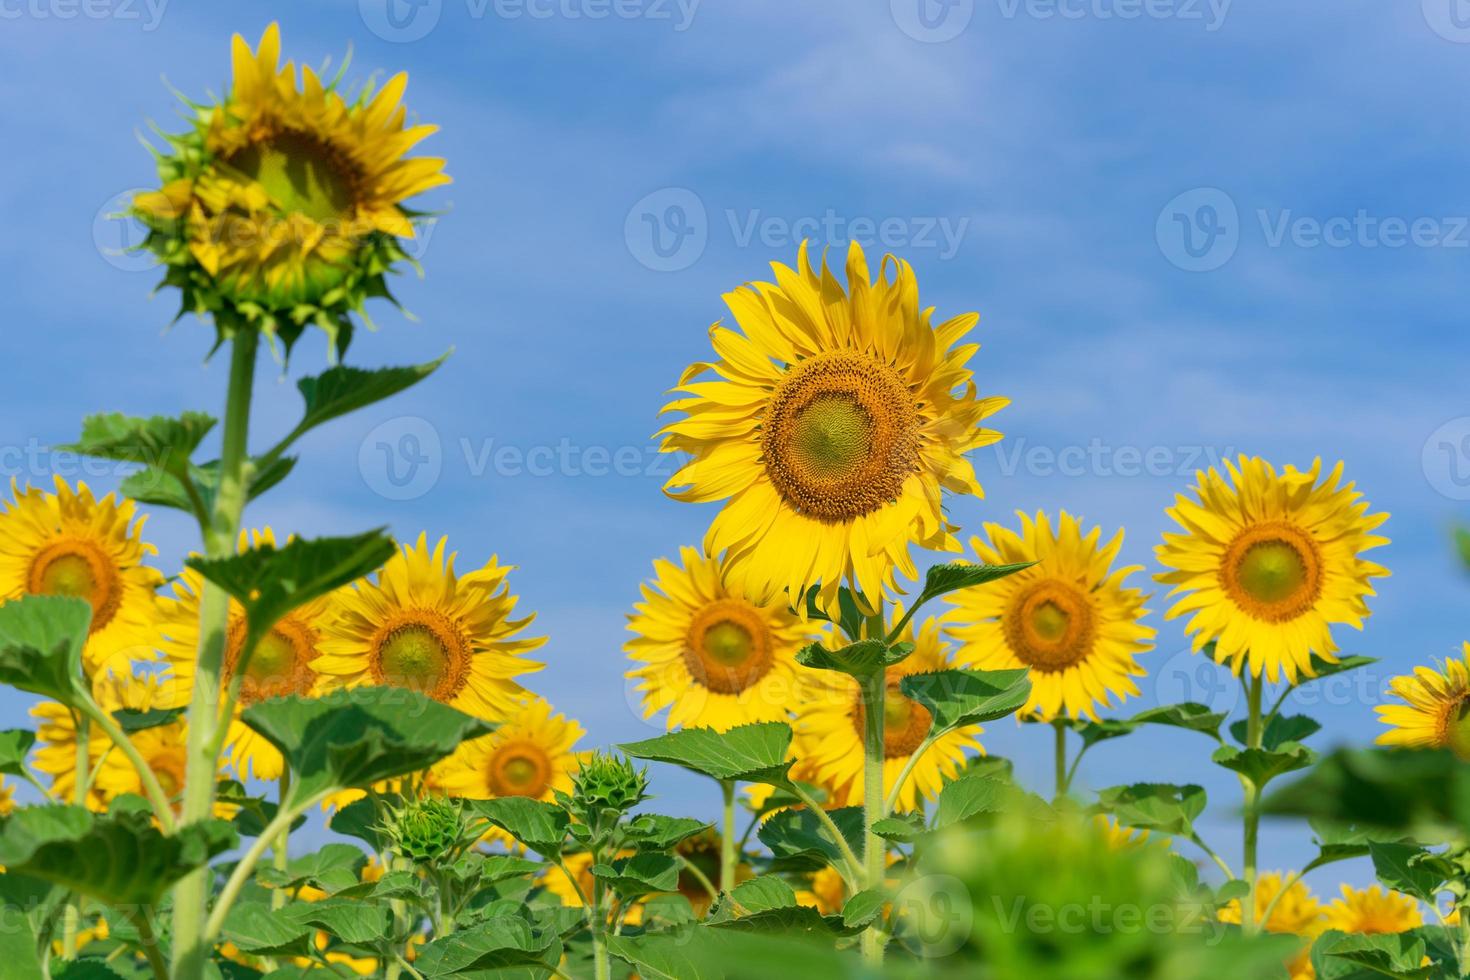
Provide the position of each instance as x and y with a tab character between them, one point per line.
1373	910
70	543
280	665
702	853
830	722
1267	563
283	204
1435	712
420	626
833	422
530	754
1070	618
713	657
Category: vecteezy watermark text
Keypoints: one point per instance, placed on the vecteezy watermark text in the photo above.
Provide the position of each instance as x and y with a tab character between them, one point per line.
402	21
1098	459
147	13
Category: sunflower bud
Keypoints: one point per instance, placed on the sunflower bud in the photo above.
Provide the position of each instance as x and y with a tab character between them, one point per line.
608	782
430	830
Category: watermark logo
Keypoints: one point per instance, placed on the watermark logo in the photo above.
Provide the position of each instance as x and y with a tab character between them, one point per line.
1450	19
118	235
935	915
932	21
147	13
667	231
1195	677
1199	230
401	459
400	21
1446	459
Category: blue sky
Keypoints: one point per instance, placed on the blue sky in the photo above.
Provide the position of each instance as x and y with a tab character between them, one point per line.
1040	161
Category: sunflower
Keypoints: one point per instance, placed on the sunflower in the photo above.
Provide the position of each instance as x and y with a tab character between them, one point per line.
283	204
556	881
825	891
830	719
1118	837
1373	910
421	627
70	543
1434	714
832	425
711	656
530	754
1269	562
7	797
701	854
1070	618
1298	913
281	664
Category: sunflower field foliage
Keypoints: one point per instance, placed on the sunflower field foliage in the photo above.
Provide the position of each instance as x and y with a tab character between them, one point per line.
831	683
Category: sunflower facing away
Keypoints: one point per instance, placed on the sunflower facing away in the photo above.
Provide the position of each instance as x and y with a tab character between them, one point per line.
711	656
1070	618
530	754
70	543
1434	713
1373	910
281	664
284	203
422	627
1268	562
830	719
832	423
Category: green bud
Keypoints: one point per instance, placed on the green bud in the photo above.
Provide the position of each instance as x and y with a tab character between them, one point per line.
430	830
609	782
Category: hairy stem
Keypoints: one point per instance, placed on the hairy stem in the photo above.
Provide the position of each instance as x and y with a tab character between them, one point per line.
727	836
1253	686
874	691
1060	728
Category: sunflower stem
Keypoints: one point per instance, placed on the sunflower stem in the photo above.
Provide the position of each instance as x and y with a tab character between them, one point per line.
280	853
191	895
727	836
1060	728
162	805
1253	686
1464	942
601	965
874	690
71	912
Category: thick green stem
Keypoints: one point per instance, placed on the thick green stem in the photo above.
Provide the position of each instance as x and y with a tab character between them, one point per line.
1061	757
71	913
280	847
727	836
875	689
601	965
1465	942
1253	688
191	895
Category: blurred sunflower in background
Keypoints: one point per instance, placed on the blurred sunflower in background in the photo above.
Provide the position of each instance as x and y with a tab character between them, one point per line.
280	665
833	422
1298	912
711	656
1373	910
1268	562
557	882
420	626
70	543
1434	713
283	205
830	720
529	754
1070	618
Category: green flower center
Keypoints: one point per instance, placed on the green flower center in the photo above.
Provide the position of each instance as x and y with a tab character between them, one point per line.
1050	621
1457	729
301	174
414	657
832	437
1271	571
519	769
274	659
728	647
281	663
728	643
78	569
69	575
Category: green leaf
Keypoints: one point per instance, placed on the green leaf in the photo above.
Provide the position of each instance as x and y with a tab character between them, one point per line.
255	928
798	836
342	389
748	753
965	798
641	874
1322	668
495	944
1423	794
132	720
1166	808
354	738
850	616
957	698
332	868
270	582
41	640
864	908
1280	730
1261	766
1340	842
1397	955
360	819
726	953
654	832
759	894
119	859
901	828
1188	715
349	919
540	826
161	489
943	579
15	745
161	442
861	659
1407	868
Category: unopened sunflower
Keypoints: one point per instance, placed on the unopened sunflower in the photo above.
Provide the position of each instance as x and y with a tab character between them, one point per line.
713	657
529	754
1070	617
831	424
1434	712
830	724
1268	562
420	626
280	665
70	543
283	205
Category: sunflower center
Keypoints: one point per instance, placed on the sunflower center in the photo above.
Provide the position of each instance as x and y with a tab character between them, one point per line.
728	647
519	769
905	722
80	570
1456	728
170	772
1273	571
301	173
840	436
280	665
422	650
1049	626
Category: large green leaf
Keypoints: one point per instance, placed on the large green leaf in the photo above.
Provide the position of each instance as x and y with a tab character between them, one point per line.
799	836
943	579
1340	842
1261	766
1189	715
120	858
342	389
162	489
1408	868
41	640
330	868
861	659
722	953
640	874
1279	730
957	698
354	738
1163	807
15	745
269	582
496	944
161	442
540	826
1423	794
748	753
1399	955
